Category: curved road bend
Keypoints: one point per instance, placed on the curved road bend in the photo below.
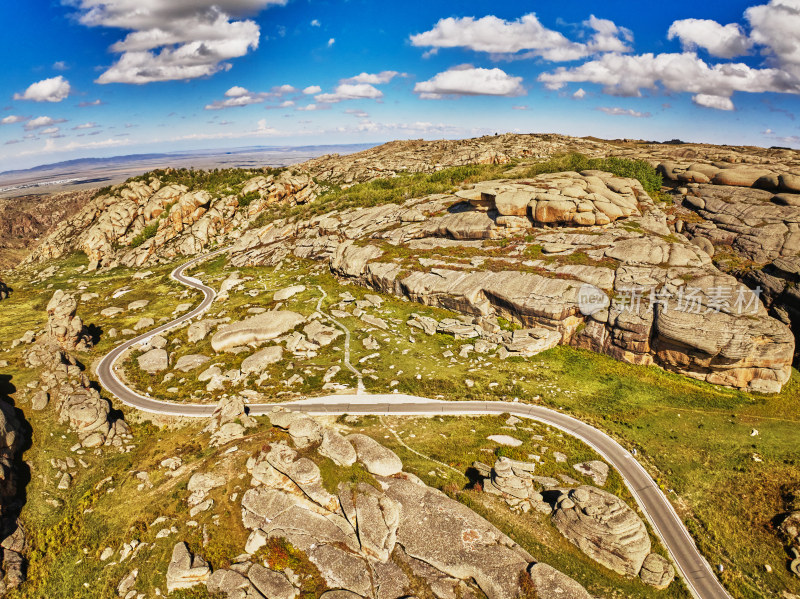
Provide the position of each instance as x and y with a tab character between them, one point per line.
659	511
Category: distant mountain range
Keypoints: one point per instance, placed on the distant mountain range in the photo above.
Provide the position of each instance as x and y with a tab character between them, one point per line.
83	173
127	158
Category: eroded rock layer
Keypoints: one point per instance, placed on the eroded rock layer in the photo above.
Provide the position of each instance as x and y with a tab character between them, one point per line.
467	255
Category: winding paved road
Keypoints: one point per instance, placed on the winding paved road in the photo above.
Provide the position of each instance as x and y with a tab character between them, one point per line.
659	511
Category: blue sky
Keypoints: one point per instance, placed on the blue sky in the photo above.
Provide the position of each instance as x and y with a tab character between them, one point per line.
107	77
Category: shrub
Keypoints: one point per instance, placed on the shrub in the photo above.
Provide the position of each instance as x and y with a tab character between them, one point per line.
247	198
147	233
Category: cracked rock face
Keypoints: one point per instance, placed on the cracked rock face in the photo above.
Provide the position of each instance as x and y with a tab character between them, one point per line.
604	528
255	330
365	537
186	221
645	272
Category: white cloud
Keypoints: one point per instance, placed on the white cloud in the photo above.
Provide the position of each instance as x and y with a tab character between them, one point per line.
287	104
498	36
350	91
54	89
373	78
60	65
174	39
580	94
520	107
42	121
331	42
357	113
50	131
310	107
12	119
466	80
712	101
616	111
315	23
85	126
726	41
775	34
241	96
97	102
776	27
312	89
628	75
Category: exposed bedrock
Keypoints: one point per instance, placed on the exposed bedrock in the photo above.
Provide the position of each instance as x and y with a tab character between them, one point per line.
463	255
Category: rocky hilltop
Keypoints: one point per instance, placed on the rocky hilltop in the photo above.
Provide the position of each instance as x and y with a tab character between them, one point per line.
531	250
524	250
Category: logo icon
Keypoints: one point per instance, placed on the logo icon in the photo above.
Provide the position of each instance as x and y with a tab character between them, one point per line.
592	299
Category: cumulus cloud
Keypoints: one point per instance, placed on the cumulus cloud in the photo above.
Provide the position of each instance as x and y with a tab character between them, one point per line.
580	94
624	75
331	42
60	65
526	34
774	33
315	23
85	126
240	96
466	80
12	119
42	121
350	91
373	78
54	89
50	131
174	40
712	101
312	89
725	41
776	27
616	111
312	107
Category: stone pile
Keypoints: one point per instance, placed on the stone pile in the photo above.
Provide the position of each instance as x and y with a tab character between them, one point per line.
568	198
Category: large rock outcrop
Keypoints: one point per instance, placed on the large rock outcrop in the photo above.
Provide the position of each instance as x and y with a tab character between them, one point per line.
63	382
185	221
5	290
756	237
13	541
658	289
604	528
367	538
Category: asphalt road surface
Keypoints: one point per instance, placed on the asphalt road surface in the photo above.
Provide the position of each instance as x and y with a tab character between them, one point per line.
693	567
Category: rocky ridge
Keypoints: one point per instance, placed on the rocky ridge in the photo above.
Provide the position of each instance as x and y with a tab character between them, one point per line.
63	382
487	256
185	221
